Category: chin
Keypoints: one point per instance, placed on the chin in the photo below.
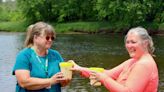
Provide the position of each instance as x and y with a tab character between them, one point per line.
131	55
48	47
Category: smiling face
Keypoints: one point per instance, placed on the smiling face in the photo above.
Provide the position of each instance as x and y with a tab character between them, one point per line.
134	45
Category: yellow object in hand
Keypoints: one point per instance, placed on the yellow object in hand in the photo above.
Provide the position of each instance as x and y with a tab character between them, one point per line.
95	82
66	69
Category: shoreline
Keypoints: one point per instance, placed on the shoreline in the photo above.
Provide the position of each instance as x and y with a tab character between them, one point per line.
82	28
91	33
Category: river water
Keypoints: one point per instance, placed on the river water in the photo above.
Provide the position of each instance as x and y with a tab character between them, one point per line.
86	50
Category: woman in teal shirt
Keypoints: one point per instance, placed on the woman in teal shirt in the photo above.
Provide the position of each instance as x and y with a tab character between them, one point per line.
37	66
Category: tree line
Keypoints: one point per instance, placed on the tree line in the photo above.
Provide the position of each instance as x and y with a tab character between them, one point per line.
119	13
130	12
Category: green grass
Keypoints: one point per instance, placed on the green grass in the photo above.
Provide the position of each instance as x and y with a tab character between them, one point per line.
88	27
13	26
161	26
84	27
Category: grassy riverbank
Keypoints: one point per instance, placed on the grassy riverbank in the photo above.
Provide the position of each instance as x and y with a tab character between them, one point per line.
84	27
13	26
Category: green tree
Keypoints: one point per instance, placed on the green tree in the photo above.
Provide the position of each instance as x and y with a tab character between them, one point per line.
124	13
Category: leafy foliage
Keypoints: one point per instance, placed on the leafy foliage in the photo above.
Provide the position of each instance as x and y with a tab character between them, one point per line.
123	13
9	12
128	11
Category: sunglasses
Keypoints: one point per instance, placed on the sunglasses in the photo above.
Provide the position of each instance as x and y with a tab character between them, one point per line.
48	38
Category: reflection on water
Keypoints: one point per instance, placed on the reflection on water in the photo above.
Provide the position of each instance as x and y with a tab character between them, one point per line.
87	50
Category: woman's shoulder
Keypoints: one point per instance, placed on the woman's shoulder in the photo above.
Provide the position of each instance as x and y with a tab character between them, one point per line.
26	52
147	63
53	52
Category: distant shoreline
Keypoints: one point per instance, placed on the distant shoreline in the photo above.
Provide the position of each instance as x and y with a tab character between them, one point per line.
83	28
9	32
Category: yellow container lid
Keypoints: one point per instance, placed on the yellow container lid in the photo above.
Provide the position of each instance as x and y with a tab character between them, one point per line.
66	64
96	69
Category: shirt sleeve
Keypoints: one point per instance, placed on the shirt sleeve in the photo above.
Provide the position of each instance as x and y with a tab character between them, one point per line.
60	57
22	62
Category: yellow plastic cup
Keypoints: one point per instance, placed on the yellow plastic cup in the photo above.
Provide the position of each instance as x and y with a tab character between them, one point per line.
96	69
65	69
95	82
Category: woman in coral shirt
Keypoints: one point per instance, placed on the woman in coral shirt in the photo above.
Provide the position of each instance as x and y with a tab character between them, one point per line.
137	74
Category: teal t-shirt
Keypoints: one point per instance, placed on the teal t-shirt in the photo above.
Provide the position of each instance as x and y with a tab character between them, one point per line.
27	60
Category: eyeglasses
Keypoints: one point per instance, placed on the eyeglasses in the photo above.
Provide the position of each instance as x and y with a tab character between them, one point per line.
48	38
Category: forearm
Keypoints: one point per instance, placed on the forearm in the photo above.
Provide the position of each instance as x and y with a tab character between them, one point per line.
37	87
85	72
114	86
115	72
35	83
112	74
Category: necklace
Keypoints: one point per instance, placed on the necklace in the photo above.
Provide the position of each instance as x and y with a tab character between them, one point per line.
45	66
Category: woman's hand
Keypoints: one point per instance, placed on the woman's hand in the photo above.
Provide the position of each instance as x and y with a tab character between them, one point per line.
82	70
76	67
98	76
57	78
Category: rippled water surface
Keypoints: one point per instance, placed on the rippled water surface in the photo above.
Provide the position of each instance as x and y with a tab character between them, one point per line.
87	50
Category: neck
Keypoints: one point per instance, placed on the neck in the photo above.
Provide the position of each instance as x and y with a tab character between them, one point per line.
145	54
39	51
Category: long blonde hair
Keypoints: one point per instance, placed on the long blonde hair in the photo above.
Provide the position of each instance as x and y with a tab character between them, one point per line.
37	29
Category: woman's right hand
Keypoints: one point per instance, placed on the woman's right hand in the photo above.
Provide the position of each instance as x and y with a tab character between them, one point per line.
85	72
98	76
75	67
